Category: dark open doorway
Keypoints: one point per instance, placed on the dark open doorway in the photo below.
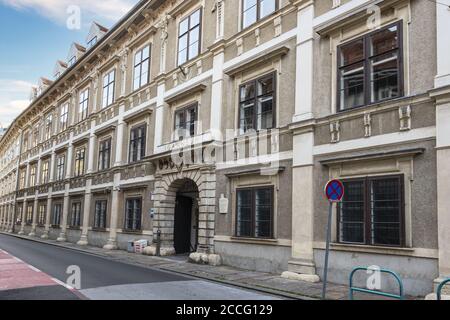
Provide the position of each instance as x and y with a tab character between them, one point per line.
186	218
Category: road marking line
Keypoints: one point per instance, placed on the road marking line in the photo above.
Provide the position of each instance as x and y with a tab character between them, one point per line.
33	268
63	284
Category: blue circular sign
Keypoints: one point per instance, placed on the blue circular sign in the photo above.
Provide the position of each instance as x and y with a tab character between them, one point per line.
334	190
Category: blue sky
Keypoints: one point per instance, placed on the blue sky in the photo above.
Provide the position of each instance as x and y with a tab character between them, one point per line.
34	34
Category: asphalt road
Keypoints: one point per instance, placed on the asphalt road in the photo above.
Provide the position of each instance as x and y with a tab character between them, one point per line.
106	279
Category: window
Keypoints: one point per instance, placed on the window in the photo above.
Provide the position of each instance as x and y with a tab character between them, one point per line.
79	162
370	68
22	179
41	215
92	42
254	10
104	154
75	217
185	120
57	74
257	104
19	214
48	126
56	217
32	176
60	167
72	61
44	172
36	136
372	211
137	143
84	104
133	214
108	88
141	67
254	212
29	219
25	142
100	214
64	117
189	37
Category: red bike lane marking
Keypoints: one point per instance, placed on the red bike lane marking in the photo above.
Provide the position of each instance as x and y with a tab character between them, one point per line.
16	274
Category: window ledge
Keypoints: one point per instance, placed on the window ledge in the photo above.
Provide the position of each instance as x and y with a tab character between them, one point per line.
262	241
137	232
382	250
98	229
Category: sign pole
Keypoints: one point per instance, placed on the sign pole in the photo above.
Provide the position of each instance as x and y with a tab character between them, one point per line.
334	191
327	251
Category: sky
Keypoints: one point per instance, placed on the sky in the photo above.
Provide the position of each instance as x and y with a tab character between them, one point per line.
34	34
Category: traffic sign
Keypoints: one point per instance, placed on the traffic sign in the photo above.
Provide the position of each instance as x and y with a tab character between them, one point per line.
334	191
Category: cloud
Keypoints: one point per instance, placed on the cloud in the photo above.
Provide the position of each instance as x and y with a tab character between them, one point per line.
11	110
57	10
14	96
10	87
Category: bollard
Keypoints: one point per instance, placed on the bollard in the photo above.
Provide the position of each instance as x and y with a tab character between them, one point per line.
158	243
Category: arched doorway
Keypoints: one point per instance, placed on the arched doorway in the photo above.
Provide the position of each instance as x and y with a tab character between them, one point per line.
171	186
186	217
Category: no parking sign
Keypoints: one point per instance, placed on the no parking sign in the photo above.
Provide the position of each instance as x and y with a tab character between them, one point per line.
334	190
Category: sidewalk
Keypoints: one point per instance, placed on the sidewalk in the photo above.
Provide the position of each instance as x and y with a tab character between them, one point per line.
254	280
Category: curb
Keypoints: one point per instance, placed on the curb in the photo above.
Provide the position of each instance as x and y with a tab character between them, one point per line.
161	267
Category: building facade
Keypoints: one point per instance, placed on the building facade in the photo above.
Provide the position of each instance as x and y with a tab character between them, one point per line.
213	125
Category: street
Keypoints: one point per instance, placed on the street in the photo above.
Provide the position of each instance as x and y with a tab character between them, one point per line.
33	270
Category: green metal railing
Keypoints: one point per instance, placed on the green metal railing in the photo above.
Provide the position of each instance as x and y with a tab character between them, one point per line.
440	287
400	296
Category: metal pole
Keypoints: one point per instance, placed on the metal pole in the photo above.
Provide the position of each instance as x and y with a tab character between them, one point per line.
158	243
327	251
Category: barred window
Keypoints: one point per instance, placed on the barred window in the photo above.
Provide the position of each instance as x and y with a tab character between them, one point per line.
372	211
41	215
29	217
56	216
254	212
75	218
19	214
133	213
100	214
